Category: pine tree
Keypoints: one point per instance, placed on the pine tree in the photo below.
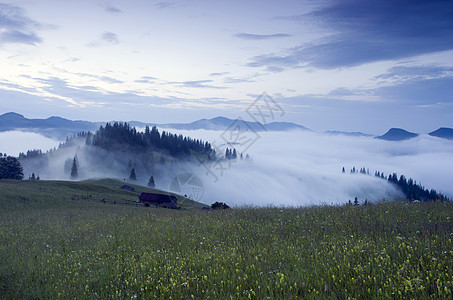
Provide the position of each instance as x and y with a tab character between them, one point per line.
133	176
234	155
10	168
151	182
74	169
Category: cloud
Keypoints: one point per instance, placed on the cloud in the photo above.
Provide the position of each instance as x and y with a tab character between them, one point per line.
367	31
295	168
107	38
164	4
308	174
309	171
13	142
111	9
250	36
404	73
102	78
219	74
238	79
419	91
197	84
146	79
72	59
16	27
110	38
417	85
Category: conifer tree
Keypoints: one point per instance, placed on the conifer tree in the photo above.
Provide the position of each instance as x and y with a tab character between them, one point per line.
10	168
74	169
133	176
151	182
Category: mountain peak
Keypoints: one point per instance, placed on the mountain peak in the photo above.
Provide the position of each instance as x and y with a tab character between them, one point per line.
443	132
397	134
11	116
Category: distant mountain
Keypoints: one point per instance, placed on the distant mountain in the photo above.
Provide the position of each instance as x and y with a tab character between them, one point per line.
446	133
60	128
355	133
222	123
54	127
397	134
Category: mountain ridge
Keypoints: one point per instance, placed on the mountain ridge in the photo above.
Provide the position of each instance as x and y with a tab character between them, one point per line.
60	128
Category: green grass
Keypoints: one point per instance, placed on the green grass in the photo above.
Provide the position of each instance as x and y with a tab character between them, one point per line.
60	248
45	194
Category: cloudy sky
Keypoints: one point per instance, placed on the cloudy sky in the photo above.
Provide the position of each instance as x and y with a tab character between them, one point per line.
330	65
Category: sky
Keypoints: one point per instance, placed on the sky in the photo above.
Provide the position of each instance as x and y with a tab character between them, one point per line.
345	65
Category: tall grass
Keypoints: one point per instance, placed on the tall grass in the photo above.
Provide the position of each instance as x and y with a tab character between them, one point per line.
92	250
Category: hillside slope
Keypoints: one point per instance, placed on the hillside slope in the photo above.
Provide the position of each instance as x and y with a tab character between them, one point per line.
54	194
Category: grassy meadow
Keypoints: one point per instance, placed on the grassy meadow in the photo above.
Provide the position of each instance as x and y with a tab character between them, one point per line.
58	241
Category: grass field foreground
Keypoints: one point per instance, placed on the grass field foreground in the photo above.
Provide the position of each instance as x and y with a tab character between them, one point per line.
59	248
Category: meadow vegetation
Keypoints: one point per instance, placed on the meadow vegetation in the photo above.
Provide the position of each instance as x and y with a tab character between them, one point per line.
52	246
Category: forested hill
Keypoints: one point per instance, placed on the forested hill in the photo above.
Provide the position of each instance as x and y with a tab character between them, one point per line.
117	150
121	136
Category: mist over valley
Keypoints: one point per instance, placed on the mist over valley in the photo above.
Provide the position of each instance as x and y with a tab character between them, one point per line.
294	167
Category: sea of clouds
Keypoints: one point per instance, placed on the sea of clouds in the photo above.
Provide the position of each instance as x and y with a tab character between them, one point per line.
304	168
295	168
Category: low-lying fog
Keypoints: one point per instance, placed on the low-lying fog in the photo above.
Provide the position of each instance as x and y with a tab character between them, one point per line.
302	167
291	168
14	142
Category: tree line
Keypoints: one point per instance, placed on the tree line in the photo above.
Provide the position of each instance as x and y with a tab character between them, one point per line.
120	135
410	188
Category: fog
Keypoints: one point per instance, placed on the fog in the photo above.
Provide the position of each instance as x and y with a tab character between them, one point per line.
14	142
304	168
294	168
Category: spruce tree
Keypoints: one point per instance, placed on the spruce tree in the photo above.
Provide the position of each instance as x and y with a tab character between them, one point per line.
151	182
234	155
74	169
133	176
10	168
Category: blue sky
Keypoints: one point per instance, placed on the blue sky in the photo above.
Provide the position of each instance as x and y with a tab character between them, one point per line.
331	65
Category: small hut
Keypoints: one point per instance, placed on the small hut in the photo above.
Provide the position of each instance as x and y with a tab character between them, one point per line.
166	201
127	188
